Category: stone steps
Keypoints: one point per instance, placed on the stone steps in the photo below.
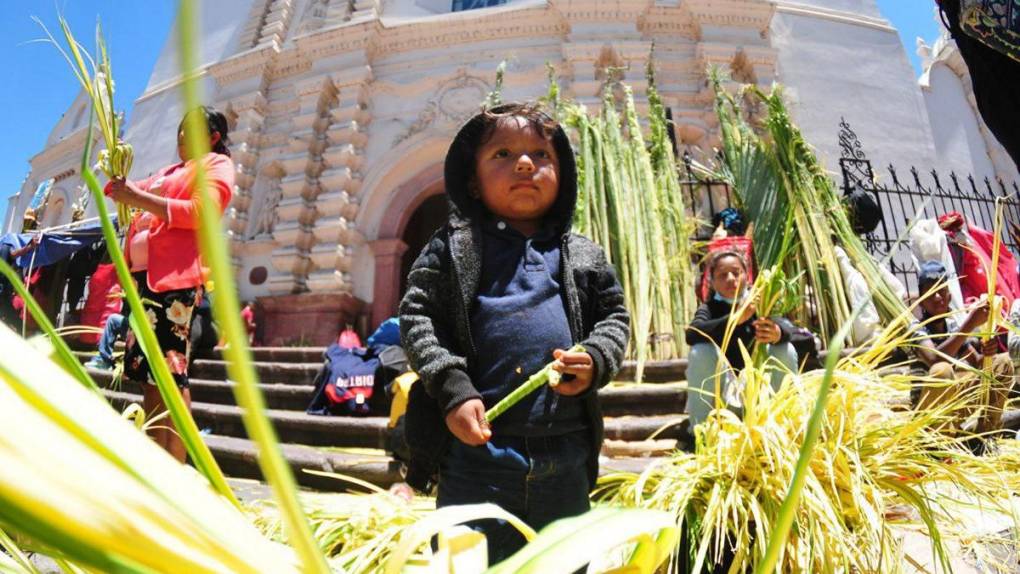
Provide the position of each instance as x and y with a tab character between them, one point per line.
371	432
618	399
641	420
268	372
355	446
291	426
672	370
271	354
238	458
304	371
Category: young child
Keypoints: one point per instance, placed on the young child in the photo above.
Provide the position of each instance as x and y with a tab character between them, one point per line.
501	290
727	271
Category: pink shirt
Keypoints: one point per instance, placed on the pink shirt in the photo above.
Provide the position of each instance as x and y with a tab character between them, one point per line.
248	316
174	261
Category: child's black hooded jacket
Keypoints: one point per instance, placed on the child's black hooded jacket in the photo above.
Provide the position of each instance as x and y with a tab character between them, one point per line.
443	283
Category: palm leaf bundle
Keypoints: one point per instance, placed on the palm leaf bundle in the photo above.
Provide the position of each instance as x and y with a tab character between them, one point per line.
79	482
95	74
630	204
876	471
797	214
748	166
380	533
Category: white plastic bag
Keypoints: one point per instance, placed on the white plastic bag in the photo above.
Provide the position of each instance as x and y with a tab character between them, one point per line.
867	321
928	242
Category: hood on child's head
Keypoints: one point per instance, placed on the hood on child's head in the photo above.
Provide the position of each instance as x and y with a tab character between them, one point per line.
460	167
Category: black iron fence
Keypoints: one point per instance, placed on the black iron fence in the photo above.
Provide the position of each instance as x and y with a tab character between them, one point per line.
905	198
703	197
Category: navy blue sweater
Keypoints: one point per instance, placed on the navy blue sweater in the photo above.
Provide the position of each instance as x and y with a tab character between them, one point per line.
517	319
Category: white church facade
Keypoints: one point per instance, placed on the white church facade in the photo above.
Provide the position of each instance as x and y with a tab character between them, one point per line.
341	112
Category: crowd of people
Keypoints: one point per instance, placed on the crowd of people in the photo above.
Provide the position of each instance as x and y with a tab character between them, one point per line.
500	290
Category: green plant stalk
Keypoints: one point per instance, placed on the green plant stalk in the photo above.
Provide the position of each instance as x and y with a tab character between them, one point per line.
22	561
788	510
625	209
117	158
660	287
495	97
543	376
68	360
677	226
993	309
227	311
179	413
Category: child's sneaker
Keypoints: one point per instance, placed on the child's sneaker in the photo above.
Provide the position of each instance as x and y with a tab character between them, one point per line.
98	363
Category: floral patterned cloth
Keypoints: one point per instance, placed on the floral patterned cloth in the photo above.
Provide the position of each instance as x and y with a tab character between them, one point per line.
169	314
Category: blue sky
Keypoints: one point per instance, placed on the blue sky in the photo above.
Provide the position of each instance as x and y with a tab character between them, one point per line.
40	86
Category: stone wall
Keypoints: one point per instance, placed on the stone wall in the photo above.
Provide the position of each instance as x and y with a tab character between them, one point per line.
341	110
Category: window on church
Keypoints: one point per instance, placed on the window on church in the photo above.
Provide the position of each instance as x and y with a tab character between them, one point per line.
459	5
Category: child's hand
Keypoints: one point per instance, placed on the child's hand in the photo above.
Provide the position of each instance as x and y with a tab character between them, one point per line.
467	422
766	331
978	315
748	313
578	364
990	348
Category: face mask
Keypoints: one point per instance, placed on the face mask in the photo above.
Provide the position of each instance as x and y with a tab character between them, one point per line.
718	297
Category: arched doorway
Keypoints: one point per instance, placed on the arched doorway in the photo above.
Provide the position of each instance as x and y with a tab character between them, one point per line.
414	211
430	216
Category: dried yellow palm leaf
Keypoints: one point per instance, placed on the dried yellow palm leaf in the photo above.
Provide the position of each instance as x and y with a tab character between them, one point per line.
85	484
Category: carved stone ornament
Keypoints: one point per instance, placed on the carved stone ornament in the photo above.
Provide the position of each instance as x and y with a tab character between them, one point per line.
455	100
314	16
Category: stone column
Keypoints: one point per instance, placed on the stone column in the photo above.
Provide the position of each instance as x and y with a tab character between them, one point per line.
302	164
365	9
267	24
389	255
336	199
250	112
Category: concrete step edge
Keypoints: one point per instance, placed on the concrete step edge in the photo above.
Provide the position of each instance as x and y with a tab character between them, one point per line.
239	458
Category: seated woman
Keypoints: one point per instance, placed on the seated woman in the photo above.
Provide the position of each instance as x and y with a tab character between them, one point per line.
727	271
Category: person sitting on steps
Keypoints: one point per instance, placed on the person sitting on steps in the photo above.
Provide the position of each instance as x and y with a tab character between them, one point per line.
948	348
727	271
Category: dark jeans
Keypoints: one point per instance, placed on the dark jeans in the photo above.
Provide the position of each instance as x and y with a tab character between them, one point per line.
116	327
538	479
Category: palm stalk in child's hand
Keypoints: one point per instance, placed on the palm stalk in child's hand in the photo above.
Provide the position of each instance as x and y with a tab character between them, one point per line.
776	295
546	375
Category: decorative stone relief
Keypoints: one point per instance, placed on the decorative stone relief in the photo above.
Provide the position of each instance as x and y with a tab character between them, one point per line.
314	16
263	219
247	117
455	100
